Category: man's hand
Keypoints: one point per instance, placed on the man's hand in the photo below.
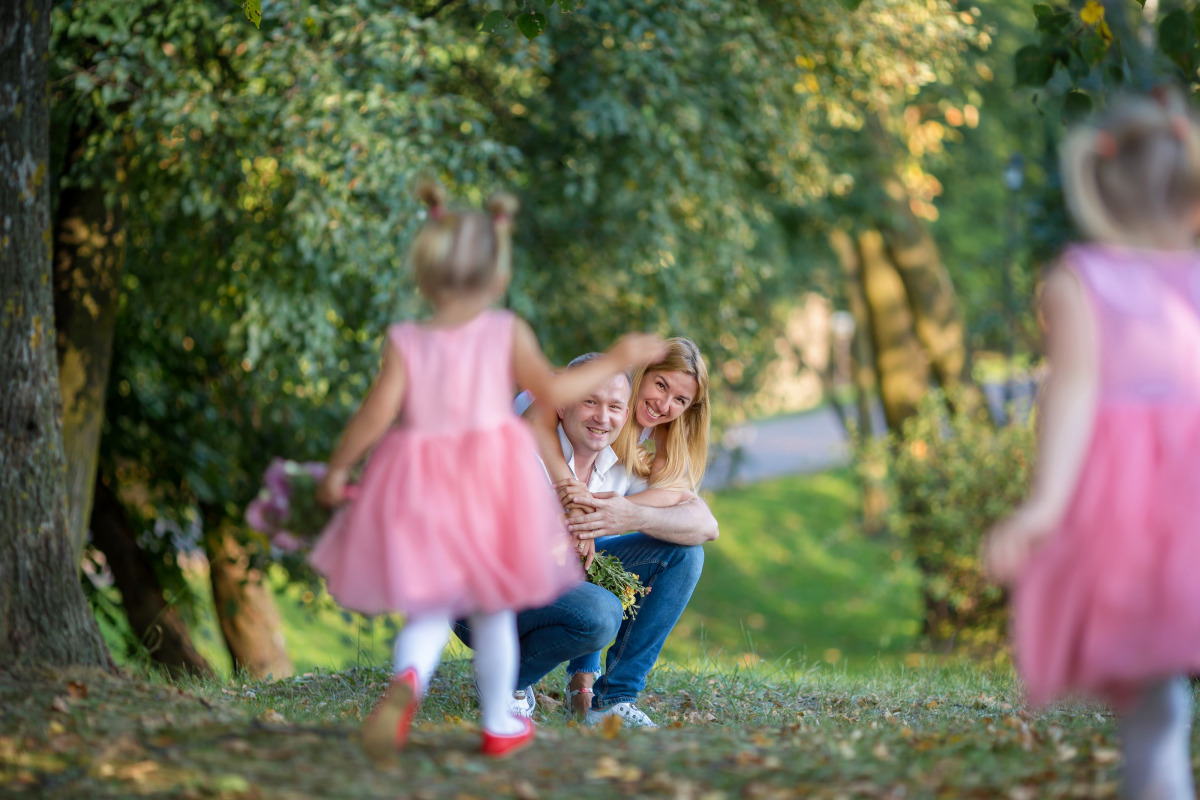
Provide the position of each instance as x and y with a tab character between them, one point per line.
612	514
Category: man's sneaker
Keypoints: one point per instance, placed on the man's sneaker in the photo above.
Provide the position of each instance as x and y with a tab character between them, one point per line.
523	703
631	716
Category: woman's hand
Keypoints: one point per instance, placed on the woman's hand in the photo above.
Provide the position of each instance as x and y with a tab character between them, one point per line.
569	487
1009	543
332	489
586	548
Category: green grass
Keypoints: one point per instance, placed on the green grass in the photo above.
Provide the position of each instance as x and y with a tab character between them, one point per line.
775	730
790	576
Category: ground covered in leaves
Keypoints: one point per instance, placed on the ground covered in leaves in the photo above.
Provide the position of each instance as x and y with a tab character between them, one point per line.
763	733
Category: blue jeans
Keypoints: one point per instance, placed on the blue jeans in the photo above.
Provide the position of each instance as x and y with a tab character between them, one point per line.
578	624
671	571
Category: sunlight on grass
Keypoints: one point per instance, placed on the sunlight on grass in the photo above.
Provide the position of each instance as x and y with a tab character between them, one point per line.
790	576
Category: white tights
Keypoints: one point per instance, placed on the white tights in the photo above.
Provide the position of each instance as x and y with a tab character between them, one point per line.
1156	738
494	639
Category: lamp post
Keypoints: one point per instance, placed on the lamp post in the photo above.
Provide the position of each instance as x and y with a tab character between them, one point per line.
1014	179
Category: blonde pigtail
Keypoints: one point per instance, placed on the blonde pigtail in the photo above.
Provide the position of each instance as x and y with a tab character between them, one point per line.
503	207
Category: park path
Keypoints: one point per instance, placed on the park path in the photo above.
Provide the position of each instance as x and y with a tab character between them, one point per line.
798	443
814	440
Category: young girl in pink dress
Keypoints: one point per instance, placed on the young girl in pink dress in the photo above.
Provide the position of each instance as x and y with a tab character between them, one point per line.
454	516
1103	556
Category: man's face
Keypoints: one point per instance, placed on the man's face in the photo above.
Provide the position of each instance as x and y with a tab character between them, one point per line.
593	423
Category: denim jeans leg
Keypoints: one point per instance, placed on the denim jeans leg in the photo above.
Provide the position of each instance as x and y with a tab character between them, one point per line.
576	625
671	571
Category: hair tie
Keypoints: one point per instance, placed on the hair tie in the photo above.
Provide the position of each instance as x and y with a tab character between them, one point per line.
435	212
501	219
1106	144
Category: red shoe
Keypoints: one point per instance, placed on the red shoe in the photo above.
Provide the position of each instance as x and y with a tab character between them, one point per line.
499	746
386	730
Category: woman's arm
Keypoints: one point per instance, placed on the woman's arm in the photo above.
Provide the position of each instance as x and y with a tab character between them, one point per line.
378	410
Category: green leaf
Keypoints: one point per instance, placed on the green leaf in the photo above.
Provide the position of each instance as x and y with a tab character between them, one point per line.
1050	20
1033	65
1076	106
494	21
1176	39
1092	47
532	25
253	10
851	5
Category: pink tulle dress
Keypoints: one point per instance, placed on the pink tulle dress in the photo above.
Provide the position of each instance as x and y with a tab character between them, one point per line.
455	513
1112	600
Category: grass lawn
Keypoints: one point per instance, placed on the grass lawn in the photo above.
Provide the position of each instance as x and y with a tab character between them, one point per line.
766	731
789	577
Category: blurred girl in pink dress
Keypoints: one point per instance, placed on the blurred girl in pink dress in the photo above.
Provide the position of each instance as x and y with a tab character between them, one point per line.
1102	557
454	516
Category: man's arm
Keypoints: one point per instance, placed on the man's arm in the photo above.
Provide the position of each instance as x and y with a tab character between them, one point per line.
689	522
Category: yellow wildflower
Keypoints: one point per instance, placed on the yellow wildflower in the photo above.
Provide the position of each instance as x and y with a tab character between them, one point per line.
1092	13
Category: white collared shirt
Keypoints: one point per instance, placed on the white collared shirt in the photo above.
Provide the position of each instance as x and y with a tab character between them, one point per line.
608	475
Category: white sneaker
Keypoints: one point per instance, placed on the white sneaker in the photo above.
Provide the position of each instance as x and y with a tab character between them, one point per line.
631	716
523	703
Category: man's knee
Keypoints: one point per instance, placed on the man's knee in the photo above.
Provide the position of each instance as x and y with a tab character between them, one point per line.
689	563
599	621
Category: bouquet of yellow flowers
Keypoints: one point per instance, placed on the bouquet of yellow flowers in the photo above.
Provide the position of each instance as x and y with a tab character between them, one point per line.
607	573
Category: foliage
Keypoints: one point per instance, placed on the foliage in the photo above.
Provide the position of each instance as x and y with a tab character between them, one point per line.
675	162
1085	54
952	476
779	731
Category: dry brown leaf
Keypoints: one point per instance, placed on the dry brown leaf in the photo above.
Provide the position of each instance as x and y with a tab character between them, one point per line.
77	690
611	727
60	705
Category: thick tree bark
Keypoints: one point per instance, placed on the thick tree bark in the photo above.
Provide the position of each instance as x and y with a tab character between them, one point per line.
872	469
43	614
89	249
250	621
861	355
931	294
900	362
159	626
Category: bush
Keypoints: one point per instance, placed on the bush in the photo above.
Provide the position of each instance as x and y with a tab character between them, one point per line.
951	474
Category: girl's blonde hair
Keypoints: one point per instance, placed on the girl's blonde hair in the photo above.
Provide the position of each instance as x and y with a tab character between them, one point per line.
461	251
686	436
1134	170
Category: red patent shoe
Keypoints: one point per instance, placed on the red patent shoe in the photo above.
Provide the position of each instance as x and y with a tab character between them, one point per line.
499	746
386	730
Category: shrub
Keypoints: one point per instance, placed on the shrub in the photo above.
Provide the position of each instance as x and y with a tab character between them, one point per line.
951	474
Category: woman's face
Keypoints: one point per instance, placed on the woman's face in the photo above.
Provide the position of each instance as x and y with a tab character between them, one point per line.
663	396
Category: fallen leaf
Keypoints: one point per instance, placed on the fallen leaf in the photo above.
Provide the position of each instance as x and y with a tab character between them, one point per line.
77	690
611	727
60	705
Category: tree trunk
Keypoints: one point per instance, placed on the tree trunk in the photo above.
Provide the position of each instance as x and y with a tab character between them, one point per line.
159	626
43	614
931	295
871	467
249	618
900	362
89	249
861	355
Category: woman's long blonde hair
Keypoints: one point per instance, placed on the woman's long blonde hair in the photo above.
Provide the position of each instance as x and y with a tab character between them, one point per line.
686	436
1133	170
